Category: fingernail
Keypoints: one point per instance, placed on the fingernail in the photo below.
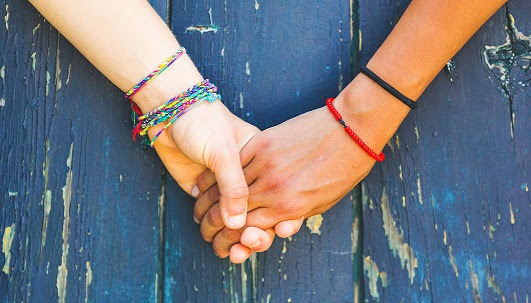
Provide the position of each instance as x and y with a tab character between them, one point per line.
256	244
238	220
196	220
195	192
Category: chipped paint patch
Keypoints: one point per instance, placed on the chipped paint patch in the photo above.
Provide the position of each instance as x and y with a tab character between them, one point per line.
494	286
419	190
46	196
6	17
247	69
355	234
88	281
340	84
516	51
36	28
517	48
62	271
47	90
450	70
33	60
512	213
68	76
7	241
241	99
203	28
314	224
370	268
475	283
256	5
396	242
452	260
12	193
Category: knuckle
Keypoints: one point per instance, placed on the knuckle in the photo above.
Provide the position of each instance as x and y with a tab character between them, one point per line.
213	193
214	217
276	183
232	235
236	191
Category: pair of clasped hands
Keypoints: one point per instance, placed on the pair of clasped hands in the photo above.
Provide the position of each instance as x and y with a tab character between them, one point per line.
252	184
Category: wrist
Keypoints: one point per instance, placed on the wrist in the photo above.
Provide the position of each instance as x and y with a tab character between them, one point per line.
371	112
180	76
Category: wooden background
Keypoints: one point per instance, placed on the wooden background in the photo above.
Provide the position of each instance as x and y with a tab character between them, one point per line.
444	219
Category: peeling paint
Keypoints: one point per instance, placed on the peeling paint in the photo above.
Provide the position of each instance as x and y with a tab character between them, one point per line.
12	193
7	241
340	84
6	17
88	281
241	99
202	28
475	283
452	261
33	60
47	90
256	5
450	70
284	248
36	28
46	199
62	271
68	76
494	286
396	240
516	51
247	70
354	235
370	268
419	190
512	213
314	224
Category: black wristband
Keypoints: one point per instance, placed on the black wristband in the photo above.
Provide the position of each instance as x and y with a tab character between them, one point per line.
388	88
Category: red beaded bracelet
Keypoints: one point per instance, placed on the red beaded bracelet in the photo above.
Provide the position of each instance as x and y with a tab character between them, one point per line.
350	132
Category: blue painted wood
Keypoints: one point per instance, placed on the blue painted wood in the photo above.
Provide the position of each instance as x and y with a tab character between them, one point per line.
79	221
127	234
446	215
272	61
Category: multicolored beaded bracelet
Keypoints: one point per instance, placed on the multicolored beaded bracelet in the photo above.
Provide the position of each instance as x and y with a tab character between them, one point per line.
175	107
367	149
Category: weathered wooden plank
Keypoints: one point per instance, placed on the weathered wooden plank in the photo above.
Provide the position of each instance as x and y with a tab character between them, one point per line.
80	218
445	214
272	61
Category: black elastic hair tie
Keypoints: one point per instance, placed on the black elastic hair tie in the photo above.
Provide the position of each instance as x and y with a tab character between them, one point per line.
388	88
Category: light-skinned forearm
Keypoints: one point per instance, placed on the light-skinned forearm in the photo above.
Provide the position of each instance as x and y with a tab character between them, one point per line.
125	40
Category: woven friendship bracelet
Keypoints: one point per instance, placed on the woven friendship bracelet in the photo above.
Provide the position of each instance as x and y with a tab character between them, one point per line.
175	108
351	133
367	72
162	67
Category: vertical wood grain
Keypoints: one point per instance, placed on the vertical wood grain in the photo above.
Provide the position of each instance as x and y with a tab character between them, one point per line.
79	198
445	216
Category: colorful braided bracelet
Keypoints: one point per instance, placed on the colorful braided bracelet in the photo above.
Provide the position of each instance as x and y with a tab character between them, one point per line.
175	107
350	132
161	68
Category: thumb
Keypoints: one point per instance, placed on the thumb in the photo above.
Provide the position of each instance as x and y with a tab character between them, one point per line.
233	189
